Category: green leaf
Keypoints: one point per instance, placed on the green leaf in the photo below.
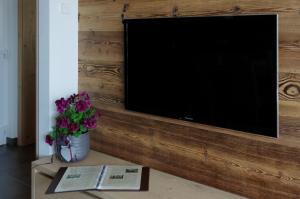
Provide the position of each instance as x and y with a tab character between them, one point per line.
77	117
89	113
55	133
62	131
77	134
70	111
83	129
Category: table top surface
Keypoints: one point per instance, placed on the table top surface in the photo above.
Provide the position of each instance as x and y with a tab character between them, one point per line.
161	185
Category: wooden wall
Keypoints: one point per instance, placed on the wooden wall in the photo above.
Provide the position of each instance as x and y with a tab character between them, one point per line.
250	165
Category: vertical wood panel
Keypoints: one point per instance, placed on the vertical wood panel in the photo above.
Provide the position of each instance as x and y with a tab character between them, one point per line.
27	68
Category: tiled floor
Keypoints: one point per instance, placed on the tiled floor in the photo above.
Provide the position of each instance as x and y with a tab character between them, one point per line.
15	169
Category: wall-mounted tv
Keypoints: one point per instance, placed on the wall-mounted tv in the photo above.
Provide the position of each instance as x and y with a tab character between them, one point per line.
216	70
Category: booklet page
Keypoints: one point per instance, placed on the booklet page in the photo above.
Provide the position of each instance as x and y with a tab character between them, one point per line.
121	178
79	178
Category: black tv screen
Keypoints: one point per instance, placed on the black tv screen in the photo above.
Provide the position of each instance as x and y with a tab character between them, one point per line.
219	70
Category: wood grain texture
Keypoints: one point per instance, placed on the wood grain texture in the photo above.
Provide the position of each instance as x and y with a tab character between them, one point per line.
289	94
251	165
104	83
100	46
289	87
268	167
214	156
27	71
105	15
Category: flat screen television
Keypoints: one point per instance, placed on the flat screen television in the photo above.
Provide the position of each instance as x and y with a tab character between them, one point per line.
216	70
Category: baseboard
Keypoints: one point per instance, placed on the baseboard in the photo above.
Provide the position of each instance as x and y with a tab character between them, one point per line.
11	141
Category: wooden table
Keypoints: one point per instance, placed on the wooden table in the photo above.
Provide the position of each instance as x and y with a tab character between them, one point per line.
161	185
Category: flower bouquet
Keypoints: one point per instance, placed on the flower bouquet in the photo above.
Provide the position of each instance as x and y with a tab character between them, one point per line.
76	116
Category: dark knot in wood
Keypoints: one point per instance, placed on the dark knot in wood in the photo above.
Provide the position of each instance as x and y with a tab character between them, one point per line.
125	7
289	87
292	90
175	11
236	9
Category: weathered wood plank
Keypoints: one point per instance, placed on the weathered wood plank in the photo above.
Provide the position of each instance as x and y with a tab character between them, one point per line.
289	58
95	47
98	70
104	82
232	158
105	86
105	15
290	126
215	7
148	8
289	108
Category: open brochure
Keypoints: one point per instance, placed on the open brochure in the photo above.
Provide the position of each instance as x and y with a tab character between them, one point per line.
102	177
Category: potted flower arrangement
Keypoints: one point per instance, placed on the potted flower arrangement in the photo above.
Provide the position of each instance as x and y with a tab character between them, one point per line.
76	116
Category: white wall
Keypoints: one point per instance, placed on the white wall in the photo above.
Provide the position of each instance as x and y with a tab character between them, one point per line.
3	70
13	69
57	62
8	69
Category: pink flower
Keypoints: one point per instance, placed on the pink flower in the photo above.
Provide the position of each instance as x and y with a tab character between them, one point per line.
84	95
90	123
61	105
63	122
72	98
49	140
82	106
74	127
